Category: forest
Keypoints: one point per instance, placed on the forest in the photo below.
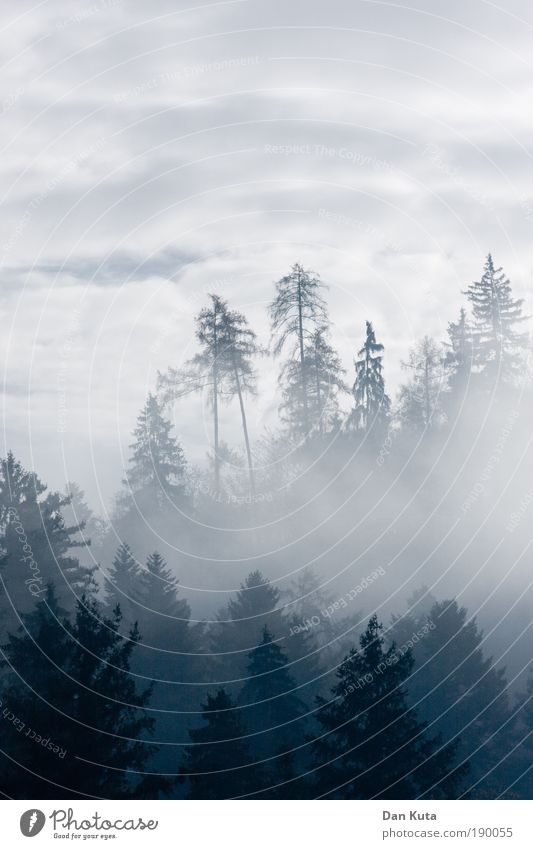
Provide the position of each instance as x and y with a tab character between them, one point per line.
338	608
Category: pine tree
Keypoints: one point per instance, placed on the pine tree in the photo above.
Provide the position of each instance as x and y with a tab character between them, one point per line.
218	764
240	623
271	705
124	585
324	382
461	692
374	745
372	404
498	345
296	312
421	399
77	726
36	543
164	618
157	464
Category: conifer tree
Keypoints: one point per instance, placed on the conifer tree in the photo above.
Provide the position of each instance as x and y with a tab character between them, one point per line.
157	464
218	764
421	399
324	382
36	543
461	692
124	585
79	725
296	312
498	345
372	404
374	745
269	698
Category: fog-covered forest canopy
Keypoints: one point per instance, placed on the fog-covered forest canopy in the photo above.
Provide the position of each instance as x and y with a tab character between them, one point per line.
340	607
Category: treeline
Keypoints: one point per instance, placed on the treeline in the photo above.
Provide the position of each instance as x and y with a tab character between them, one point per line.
111	687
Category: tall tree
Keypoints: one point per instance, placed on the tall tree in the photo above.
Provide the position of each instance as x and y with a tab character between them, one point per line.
462	693
421	405
459	356
157	464
217	765
372	404
238	346
374	745
36	543
272	708
323	382
297	310
124	586
79	726
498	345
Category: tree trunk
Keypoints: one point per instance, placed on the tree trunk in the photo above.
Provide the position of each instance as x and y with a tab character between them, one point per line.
302	356
215	404
318	398
245	431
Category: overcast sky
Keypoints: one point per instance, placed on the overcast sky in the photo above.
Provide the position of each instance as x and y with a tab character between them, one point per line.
153	153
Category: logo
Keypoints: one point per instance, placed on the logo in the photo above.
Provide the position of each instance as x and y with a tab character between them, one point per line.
32	822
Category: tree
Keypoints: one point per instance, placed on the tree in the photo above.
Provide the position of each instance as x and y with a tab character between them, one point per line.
372	404
297	310
421	398
461	692
77	726
217	764
323	383
459	356
124	586
157	465
238	346
374	746
498	346
240	623
271	708
36	544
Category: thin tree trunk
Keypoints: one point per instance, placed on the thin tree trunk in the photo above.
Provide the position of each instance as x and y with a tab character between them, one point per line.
318	397
302	356
215	404
245	431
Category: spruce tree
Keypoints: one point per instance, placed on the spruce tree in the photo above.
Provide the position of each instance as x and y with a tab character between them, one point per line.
272	709
157	465
124	584
462	693
421	399
373	745
324	382
77	725
218	764
296	312
499	347
372	404
36	544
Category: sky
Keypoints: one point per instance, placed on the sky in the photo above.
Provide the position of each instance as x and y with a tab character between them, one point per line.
153	153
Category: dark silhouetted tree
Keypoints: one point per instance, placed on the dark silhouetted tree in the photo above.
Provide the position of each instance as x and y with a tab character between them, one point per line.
374	745
372	403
